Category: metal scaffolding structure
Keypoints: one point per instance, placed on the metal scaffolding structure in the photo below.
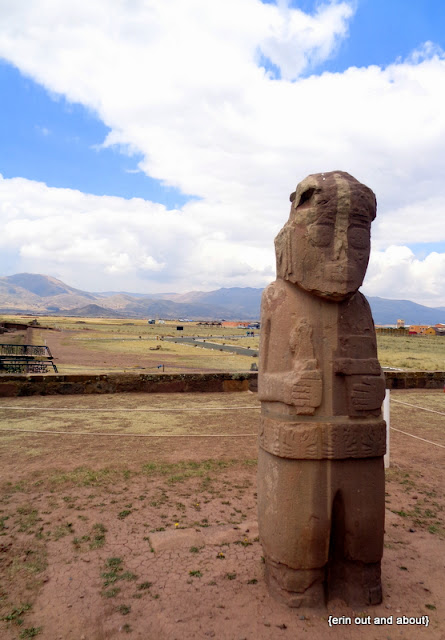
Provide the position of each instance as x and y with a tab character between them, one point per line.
26	358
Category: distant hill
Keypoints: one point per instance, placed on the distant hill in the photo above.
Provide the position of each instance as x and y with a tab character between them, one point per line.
90	311
386	311
40	294
43	286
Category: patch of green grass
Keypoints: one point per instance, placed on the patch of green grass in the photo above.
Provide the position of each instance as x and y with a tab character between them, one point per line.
431	607
31	632
180	471
99	531
28	518
36	560
244	543
128	575
123	609
230	576
16	614
77	542
115	572
111	593
195	574
123	514
63	530
144	586
401	513
84	477
2	522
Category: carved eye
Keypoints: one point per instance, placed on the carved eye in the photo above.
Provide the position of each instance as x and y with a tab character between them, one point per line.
306	196
321	234
358	237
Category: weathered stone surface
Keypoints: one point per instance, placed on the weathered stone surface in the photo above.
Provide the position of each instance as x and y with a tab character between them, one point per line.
19	385
216	535
322	437
26	385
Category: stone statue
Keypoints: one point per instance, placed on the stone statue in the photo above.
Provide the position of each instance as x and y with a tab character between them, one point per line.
322	437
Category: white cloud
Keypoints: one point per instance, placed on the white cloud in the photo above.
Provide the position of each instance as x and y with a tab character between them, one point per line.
90	241
397	273
181	82
297	40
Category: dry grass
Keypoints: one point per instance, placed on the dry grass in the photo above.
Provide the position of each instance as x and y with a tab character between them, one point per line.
135	337
192	413
129	327
426	353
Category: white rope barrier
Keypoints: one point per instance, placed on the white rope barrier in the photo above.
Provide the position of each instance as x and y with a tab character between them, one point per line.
164	410
415	406
418	438
133	435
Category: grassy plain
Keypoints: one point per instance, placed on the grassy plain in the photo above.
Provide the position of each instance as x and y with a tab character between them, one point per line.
134	344
422	353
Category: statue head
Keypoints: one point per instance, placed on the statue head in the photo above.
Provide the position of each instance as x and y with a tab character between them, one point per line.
324	246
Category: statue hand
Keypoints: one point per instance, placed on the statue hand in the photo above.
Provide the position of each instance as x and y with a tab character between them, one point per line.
368	394
306	389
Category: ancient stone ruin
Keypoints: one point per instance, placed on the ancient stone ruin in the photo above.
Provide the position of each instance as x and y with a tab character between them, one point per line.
322	437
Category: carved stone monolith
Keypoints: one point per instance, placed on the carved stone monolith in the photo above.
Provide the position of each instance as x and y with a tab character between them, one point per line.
322	438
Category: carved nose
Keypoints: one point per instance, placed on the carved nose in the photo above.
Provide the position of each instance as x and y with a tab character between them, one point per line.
341	246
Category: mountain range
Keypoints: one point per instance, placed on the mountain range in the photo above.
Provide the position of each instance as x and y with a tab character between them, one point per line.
29	293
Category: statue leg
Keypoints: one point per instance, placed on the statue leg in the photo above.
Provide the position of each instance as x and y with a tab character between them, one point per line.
294	525
356	544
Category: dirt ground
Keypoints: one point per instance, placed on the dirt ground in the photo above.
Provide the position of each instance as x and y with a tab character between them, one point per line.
134	515
72	352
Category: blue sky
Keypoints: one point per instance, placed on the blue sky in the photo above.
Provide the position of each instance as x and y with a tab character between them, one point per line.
48	139
202	138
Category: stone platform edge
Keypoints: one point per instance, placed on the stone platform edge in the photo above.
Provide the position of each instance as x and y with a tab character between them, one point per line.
56	384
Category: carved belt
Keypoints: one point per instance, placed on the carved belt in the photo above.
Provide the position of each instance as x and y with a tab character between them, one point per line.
318	440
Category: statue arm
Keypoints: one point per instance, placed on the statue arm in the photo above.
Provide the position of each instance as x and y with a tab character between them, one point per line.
288	370
300	389
366	381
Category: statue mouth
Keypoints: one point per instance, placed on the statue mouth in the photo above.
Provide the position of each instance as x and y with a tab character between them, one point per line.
337	272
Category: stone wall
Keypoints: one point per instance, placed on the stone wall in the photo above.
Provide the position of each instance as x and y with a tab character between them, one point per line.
29	385
415	379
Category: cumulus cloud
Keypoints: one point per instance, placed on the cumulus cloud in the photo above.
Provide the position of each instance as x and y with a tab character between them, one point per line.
396	273
90	241
184	84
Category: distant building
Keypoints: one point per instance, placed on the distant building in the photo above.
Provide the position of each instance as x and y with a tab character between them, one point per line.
418	329
400	324
235	325
438	330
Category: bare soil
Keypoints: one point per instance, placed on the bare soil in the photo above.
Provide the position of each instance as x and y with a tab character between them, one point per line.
73	353
124	535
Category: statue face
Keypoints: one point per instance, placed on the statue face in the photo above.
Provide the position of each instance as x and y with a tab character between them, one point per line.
324	247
